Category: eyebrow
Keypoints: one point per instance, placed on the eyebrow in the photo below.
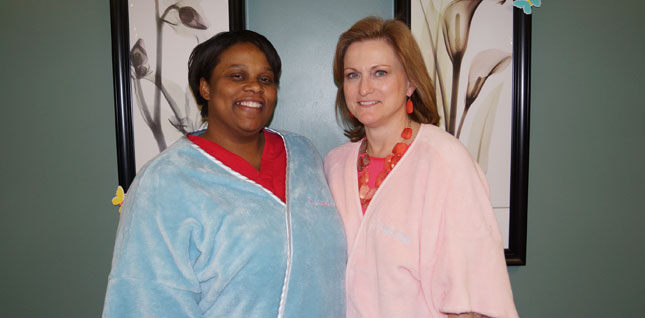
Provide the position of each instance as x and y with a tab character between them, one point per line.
245	67
372	67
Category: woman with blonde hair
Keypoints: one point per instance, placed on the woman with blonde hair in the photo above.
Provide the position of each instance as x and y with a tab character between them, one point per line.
422	237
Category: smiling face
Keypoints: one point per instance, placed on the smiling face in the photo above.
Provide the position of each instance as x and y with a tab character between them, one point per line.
241	94
375	84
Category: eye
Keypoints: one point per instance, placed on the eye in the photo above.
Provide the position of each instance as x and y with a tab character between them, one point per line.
380	73
351	75
237	76
266	79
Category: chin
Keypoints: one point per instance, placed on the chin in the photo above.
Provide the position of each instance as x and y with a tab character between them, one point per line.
251	129
367	121
251	124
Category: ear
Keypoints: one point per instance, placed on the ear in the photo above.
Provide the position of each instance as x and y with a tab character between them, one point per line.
411	88
204	90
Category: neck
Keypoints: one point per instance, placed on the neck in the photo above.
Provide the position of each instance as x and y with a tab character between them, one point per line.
382	139
248	147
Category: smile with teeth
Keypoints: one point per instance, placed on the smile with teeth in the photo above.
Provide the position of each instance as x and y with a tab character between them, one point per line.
368	103
249	104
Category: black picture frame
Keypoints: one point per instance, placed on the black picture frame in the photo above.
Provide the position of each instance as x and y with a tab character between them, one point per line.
516	252
122	81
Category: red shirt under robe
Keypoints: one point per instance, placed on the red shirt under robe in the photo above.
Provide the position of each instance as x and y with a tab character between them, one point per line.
273	166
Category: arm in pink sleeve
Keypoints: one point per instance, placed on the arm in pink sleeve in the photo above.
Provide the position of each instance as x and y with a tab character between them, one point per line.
462	255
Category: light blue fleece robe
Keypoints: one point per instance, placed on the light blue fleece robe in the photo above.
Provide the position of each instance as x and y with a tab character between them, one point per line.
197	239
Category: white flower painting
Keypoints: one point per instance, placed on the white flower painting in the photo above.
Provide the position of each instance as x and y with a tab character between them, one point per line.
468	46
162	35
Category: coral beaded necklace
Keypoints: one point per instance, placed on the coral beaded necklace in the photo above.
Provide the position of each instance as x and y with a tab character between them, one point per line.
365	191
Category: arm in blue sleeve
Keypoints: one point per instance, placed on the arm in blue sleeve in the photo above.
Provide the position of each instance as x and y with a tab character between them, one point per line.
152	273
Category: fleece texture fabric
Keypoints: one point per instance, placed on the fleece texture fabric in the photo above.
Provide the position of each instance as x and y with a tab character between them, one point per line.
197	239
428	243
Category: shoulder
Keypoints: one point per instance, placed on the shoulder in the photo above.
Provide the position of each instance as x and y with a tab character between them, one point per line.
169	167
437	138
293	140
441	148
177	155
165	186
298	147
337	156
341	152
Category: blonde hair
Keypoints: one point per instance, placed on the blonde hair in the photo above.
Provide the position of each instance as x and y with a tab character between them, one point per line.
397	34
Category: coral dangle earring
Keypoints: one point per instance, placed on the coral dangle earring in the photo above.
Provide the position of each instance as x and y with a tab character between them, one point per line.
409	107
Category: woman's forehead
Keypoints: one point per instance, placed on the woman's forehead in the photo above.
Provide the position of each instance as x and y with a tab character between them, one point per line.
370	53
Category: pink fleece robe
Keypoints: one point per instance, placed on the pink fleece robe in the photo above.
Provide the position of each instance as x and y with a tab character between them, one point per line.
428	243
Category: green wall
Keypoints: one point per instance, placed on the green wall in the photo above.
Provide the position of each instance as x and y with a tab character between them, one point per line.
586	220
58	163
58	158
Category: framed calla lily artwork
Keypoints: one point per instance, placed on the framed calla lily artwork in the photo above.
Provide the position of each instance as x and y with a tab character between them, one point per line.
151	44
478	55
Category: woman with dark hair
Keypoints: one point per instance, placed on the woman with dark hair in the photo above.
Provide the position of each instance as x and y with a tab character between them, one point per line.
422	237
235	220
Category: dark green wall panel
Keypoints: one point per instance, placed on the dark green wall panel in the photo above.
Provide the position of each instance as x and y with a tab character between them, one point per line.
586	220
58	158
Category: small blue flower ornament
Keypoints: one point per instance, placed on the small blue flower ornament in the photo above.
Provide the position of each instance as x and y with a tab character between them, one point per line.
527	4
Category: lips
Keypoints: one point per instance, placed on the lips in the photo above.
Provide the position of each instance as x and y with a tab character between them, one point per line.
368	103
250	104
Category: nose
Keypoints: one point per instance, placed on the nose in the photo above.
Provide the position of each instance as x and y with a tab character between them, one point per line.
253	86
365	86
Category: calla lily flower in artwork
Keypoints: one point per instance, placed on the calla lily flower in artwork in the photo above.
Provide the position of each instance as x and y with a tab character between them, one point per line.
451	21
485	64
457	18
456	26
